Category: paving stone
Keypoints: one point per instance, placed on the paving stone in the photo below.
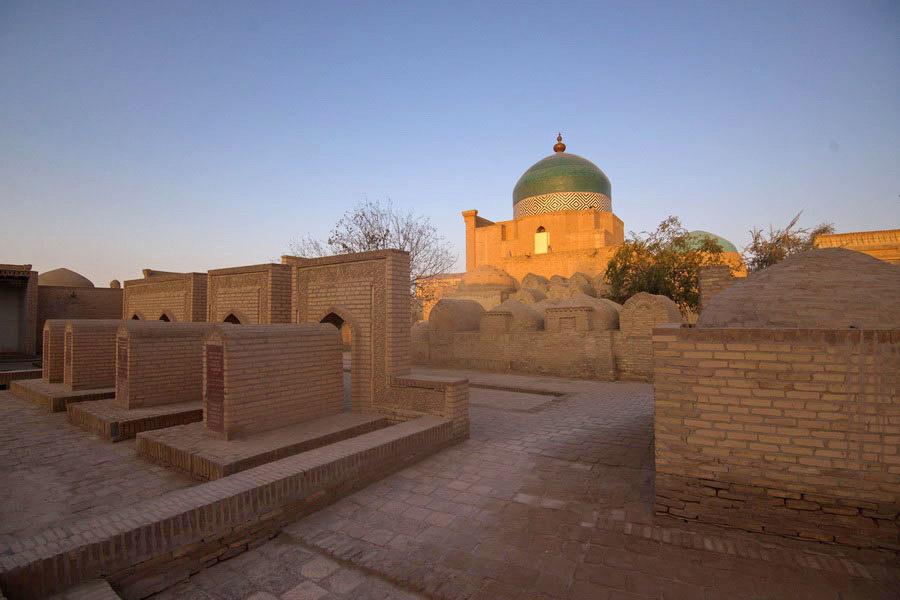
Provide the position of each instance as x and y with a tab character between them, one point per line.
305	591
319	568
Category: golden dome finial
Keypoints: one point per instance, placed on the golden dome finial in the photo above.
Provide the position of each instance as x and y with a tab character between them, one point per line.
559	147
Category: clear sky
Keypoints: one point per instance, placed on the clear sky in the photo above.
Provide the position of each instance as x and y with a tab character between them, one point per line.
200	135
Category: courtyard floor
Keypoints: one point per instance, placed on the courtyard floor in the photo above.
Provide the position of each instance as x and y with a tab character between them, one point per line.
552	497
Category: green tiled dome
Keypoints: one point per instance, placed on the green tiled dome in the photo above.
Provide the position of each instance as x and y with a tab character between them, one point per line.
696	239
561	172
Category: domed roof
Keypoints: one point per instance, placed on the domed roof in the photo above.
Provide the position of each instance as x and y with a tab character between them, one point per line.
696	239
488	276
561	172
64	278
820	288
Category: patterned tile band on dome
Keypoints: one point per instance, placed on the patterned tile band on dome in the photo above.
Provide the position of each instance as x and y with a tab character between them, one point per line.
561	201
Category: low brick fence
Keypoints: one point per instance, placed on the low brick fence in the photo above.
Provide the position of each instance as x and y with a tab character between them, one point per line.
53	347
413	397
790	431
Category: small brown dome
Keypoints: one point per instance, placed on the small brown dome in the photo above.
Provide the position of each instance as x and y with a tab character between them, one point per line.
487	276
455	315
524	317
64	278
115	284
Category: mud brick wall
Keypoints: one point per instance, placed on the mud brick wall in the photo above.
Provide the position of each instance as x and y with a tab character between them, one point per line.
587	354
90	354
53	340
412	397
179	296
57	302
790	431
260	377
159	363
712	280
254	294
634	342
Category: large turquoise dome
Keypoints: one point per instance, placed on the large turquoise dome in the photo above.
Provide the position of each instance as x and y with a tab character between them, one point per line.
695	240
562	181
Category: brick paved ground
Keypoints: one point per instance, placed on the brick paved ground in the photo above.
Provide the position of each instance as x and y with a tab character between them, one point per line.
554	503
52	472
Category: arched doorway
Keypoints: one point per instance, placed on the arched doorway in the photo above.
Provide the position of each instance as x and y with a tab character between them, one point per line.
232	319
164	317
135	318
346	337
541	241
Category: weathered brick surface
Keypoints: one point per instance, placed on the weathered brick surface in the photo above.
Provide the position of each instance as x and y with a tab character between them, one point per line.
794	432
178	296
270	376
54	396
159	363
7	377
254	294
89	354
108	420
53	348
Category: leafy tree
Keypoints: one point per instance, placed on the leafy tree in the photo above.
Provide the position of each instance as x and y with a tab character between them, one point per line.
379	226
665	262
766	249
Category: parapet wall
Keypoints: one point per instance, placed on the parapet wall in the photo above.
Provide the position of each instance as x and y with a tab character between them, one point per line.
254	294
788	431
159	363
178	296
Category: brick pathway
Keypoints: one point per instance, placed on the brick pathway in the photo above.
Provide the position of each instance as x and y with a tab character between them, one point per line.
551	501
52	472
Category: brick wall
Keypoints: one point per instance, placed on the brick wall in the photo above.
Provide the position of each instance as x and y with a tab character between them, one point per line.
254	294
180	296
90	354
53	337
58	302
412	397
634	344
712	280
793	432
587	354
260	377
159	363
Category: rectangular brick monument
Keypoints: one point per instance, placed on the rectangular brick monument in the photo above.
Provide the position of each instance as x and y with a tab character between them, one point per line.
159	380
79	364
260	377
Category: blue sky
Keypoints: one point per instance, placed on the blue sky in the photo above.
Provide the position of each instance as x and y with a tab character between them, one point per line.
200	135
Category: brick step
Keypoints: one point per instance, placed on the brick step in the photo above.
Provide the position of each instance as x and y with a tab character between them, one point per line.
7	377
109	421
53	396
189	448
145	547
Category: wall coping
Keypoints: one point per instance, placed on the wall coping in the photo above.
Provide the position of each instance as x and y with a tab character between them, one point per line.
684	332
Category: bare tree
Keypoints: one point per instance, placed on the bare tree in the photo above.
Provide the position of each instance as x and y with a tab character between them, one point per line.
378	226
765	250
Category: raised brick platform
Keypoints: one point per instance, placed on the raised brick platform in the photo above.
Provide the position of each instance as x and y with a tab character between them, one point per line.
166	538
113	423
53	396
7	377
190	449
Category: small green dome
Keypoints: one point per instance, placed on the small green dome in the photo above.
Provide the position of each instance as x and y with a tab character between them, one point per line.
561	172
696	240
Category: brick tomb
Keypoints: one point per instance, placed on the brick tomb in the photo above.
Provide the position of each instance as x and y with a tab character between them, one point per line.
159	381
276	388
79	364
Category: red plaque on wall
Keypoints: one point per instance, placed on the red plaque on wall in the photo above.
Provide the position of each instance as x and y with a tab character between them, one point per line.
215	389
